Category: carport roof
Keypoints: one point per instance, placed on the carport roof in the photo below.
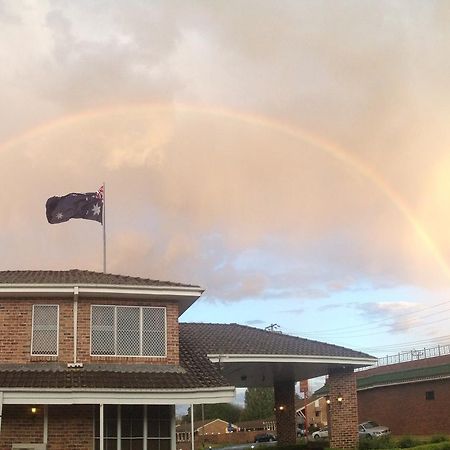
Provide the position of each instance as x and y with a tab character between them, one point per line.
251	357
228	339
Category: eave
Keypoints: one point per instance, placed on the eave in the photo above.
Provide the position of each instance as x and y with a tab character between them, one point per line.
185	296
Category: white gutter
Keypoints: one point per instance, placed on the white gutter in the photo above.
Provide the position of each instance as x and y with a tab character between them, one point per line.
100	288
184	295
316	359
25	396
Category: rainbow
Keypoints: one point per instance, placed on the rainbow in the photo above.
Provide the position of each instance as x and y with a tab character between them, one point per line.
331	149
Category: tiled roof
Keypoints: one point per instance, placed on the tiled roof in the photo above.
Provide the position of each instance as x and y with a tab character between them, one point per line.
215	338
398	374
405	376
196	371
79	277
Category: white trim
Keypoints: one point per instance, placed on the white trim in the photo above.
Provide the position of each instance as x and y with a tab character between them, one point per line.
105	289
57	330
26	396
263	358
101	425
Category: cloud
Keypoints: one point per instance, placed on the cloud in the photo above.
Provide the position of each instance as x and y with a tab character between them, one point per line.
186	110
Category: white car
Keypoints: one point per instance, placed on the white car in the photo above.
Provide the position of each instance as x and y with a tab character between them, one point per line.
371	430
320	434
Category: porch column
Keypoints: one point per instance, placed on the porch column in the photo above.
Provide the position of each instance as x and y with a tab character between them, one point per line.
285	411
343	423
102	417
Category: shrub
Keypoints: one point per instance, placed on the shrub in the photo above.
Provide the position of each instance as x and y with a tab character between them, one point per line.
438	438
379	443
408	442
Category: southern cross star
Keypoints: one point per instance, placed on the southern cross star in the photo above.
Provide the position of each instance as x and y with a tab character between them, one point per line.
59	216
96	209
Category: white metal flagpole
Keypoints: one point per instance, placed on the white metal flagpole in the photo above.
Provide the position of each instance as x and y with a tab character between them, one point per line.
104	228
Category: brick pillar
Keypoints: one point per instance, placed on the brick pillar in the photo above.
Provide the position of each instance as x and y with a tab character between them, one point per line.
285	411
343	424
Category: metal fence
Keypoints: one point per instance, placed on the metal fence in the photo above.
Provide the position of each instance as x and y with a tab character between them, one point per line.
412	355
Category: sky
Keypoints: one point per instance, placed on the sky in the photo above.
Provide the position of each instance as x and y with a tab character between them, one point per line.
291	157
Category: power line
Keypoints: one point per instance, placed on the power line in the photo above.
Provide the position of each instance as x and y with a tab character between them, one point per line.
375	321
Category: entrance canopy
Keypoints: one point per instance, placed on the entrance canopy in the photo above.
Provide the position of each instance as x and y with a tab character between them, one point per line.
251	357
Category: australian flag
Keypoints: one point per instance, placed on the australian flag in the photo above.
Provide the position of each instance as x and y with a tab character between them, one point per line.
75	206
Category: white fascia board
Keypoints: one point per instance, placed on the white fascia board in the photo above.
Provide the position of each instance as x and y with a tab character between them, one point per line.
26	396
109	289
246	358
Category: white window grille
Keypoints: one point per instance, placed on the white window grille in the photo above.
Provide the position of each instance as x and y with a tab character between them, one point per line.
44	340
128	331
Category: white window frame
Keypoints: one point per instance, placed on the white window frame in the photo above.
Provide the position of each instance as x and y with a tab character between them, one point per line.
141	318
57	331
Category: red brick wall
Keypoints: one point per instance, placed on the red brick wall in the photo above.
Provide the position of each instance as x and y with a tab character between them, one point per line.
404	409
285	396
69	427
343	423
16	321
19	425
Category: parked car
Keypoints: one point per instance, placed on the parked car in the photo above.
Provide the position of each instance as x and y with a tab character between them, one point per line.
371	429
320	434
265	437
301	432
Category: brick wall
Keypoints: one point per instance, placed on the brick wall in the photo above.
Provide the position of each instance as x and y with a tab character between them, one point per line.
69	427
20	425
16	321
285	397
343	417
404	408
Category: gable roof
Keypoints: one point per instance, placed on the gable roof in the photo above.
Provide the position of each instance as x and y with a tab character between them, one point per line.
235	339
79	277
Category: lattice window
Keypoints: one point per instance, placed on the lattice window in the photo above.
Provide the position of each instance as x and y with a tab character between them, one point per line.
44	339
128	331
154	331
103	330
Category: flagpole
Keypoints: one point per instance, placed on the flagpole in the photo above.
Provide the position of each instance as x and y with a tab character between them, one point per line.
104	228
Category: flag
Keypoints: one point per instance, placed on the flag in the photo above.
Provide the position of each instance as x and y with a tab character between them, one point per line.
75	206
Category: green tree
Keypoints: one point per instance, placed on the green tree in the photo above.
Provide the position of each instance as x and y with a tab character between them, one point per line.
259	404
225	411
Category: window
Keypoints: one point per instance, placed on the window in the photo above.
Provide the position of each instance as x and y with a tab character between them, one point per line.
44	340
134	427
429	395
128	330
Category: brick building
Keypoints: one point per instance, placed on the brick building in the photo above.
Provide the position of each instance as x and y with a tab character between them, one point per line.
411	397
99	361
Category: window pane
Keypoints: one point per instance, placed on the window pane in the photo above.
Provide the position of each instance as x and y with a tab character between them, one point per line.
154	332
137	444
164	428
132	421
102	339
164	444
152	444
153	428
45	330
128	331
